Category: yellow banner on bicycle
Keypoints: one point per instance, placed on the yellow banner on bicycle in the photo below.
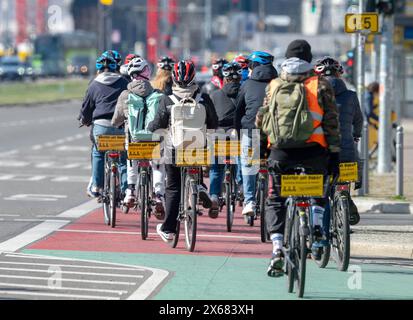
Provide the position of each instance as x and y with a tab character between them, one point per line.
230	148
111	143
193	157
309	185
144	151
348	172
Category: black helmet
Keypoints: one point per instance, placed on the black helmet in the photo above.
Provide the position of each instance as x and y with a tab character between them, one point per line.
328	66
166	63
232	70
217	66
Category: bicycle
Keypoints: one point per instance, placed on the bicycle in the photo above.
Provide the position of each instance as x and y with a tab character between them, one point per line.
191	178
301	189
262	192
112	197
339	220
142	152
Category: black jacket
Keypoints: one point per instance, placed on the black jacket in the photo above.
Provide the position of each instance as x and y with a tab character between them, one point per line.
162	118
351	118
225	104
251	96
101	97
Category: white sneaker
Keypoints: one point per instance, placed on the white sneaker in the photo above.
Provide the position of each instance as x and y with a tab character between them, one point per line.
249	209
165	236
130	198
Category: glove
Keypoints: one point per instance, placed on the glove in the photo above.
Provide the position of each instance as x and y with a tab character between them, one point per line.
334	164
358	185
356	139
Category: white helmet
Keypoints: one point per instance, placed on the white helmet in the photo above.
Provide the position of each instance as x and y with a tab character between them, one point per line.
137	66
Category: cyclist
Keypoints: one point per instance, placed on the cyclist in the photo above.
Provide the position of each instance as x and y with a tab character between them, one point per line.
350	115
124	67
243	62
140	72
250	99
184	86
320	151
97	110
163	79
224	102
217	81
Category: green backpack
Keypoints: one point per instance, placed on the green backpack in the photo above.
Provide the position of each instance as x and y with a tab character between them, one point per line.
142	112
287	120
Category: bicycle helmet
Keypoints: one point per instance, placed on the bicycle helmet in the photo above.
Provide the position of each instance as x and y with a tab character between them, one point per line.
328	66
217	66
184	73
107	61
242	61
139	67
261	58
166	63
130	57
232	71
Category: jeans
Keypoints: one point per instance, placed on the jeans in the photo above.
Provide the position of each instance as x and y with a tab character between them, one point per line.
98	158
216	175
275	206
172	198
249	171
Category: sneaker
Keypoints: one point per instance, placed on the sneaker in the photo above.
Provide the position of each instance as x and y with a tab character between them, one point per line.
93	192
316	251
204	197
249	209
354	213
160	207
165	236
275	268
214	210
130	198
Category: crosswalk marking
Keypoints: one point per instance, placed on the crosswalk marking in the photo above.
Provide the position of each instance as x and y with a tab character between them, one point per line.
56	295
36	178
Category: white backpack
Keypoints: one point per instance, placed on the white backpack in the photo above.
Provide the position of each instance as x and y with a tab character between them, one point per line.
188	123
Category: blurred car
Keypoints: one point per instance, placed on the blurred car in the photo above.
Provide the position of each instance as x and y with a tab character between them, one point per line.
12	68
79	66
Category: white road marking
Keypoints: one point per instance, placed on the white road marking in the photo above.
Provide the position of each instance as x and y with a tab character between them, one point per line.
70	266
33	286
10	215
81	210
13	163
36	197
9	153
123	283
74	148
52	178
76	272
56	295
6	177
71	179
38	232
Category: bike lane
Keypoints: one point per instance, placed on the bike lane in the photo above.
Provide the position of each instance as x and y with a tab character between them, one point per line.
230	266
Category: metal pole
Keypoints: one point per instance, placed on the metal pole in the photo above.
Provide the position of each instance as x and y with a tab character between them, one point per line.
101	31
363	147
384	155
400	161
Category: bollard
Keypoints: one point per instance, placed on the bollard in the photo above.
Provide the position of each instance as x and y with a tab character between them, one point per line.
364	152
399	161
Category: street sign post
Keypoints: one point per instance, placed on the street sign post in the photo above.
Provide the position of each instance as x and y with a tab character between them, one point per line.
362	22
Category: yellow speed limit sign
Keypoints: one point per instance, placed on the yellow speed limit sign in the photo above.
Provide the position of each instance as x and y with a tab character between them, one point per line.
348	172
111	143
362	21
310	185
144	151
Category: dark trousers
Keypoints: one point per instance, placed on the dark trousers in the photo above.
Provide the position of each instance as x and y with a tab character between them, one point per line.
275	205
172	197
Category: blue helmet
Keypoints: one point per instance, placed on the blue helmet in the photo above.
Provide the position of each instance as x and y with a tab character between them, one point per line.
109	59
261	57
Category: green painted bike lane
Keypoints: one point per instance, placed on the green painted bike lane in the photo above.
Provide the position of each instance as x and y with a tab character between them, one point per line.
197	277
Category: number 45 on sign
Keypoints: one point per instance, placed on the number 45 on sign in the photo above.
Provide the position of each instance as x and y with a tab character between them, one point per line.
359	22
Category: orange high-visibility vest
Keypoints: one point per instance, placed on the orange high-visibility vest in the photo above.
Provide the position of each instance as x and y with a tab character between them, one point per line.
311	89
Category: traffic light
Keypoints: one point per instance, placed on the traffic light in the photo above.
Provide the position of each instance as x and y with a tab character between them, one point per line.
386	7
313	6
349	64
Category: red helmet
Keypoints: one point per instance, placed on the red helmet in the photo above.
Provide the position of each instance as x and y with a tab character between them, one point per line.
184	73
130	57
242	61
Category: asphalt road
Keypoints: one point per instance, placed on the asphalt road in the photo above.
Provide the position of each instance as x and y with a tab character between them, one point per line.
44	164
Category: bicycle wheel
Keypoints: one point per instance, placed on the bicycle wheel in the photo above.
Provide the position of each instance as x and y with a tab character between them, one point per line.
300	252
112	199
229	206
175	239
288	244
263	226
325	257
144	207
341	225
106	200
190	220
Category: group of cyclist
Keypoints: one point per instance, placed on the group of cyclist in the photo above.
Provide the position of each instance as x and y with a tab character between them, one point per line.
238	99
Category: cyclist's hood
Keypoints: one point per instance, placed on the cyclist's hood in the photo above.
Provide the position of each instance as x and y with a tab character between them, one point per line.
187	92
295	70
264	73
141	88
108	78
231	89
338	85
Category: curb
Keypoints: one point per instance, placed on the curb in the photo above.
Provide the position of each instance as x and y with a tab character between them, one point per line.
39	104
383	206
368	249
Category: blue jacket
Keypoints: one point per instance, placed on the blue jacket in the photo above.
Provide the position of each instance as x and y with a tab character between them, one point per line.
351	119
102	96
